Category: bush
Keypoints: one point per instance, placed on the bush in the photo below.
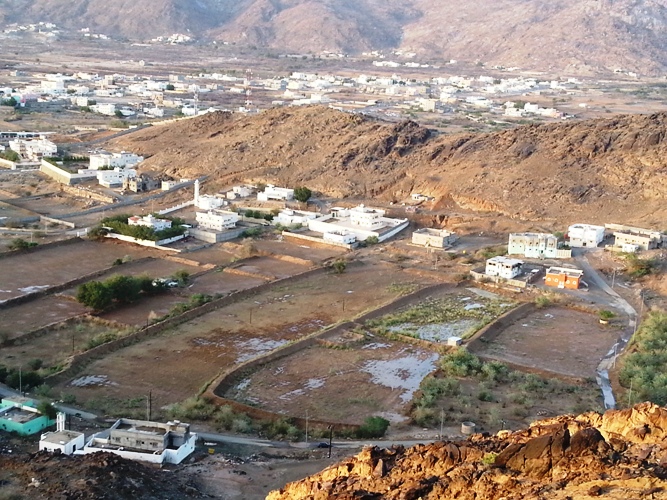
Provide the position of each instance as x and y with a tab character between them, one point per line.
95	295
24	380
194	408
339	266
35	364
46	408
182	276
638	267
302	194
461	363
606	315
542	301
20	244
373	427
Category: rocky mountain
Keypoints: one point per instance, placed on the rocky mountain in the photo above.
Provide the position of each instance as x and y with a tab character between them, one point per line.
597	170
571	35
618	455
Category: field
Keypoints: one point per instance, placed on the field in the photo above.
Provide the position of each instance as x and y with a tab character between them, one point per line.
24	318
454	314
62	341
177	363
23	274
559	340
376	377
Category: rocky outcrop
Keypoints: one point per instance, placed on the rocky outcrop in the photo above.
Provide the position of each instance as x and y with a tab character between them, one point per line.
621	455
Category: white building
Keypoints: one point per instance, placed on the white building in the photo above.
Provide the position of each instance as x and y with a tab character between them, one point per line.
218	220
114	178
585	235
276	193
534	245
436	238
288	217
240	192
504	267
34	149
208	202
145	441
112	160
108	109
361	222
62	441
149	221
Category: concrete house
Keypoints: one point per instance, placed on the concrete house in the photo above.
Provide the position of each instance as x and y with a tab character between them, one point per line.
563	277
288	217
62	441
585	235
114	178
107	160
434	238
145	441
504	267
536	246
18	414
217	220
276	193
239	192
149	221
643	239
361	222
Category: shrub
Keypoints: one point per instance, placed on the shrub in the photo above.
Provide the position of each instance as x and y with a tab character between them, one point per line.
542	301
485	395
193	408
424	417
46	408
373	427
182	276
606	315
20	244
35	364
302	194
461	363
95	295
638	267
339	266
24	380
372	240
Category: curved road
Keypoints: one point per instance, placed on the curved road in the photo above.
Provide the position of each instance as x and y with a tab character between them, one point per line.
618	302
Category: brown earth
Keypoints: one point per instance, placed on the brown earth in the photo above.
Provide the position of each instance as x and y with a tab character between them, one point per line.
618	455
101	476
599	170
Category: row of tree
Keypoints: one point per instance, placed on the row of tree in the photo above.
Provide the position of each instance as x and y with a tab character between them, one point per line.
118	289
118	224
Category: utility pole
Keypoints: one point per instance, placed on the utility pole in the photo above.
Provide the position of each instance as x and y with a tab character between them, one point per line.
442	421
20	381
148	405
330	439
306	426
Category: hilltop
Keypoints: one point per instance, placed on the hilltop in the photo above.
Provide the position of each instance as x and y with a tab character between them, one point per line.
617	455
580	36
594	170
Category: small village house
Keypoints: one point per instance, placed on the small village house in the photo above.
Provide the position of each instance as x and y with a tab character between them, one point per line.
563	277
433	238
504	267
585	235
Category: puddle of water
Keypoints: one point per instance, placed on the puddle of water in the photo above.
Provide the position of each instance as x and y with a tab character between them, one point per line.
405	373
438	332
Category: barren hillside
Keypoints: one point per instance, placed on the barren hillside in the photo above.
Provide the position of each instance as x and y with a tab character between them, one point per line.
574	35
617	456
597	170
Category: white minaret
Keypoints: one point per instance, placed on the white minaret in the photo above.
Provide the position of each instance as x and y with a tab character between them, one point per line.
60	422
196	192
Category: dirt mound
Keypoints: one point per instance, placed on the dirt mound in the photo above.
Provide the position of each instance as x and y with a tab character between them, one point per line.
618	455
596	170
99	476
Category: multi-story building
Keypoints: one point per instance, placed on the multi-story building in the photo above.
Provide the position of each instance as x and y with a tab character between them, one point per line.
533	245
217	220
504	267
585	235
106	160
644	239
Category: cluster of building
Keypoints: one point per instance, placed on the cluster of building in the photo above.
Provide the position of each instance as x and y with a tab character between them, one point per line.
33	149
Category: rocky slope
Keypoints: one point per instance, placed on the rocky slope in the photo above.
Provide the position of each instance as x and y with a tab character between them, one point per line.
101	476
598	170
618	455
574	35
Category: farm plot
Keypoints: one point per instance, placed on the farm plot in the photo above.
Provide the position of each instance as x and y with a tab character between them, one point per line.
27	273
494	396
24	318
270	268
222	283
60	342
342	385
456	314
177	363
302	250
558	340
217	254
53	205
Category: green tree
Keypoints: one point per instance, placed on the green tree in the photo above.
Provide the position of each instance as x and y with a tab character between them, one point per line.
373	427
9	102
119	114
170	87
95	295
47	409
302	194
124	289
